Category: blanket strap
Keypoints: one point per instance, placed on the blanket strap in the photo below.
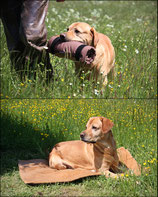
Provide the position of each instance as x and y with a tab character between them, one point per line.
78	54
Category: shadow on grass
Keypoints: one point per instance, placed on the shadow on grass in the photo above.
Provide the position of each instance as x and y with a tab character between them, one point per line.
20	141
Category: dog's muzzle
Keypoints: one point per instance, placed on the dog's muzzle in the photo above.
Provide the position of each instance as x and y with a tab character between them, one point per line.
62	37
82	137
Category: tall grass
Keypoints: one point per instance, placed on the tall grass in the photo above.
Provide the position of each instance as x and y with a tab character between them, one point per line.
131	26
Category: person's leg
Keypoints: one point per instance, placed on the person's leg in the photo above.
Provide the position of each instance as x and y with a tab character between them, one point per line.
10	17
33	32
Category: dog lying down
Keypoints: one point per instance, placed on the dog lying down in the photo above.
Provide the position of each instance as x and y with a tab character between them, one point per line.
95	152
94	155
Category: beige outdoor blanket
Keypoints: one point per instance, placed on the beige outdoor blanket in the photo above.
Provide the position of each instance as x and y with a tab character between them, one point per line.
37	171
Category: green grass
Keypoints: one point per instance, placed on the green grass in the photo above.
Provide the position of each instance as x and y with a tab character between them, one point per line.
132	28
30	128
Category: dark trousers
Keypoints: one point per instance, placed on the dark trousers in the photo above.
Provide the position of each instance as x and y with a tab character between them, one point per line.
26	34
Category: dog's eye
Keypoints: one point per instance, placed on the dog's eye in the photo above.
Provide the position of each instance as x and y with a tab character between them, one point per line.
67	29
76	31
95	128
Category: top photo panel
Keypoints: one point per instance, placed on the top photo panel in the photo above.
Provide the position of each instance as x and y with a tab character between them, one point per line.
79	49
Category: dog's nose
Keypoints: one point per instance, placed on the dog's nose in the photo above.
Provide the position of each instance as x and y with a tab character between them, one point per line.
62	37
82	135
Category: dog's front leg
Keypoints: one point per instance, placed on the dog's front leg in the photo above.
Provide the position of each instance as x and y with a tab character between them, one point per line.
108	174
105	82
106	171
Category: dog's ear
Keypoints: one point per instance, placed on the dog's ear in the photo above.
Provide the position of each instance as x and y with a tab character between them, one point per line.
106	124
95	38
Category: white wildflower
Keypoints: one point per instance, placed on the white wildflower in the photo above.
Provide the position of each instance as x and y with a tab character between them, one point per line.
108	17
71	10
96	92
138	19
110	86
108	25
136	51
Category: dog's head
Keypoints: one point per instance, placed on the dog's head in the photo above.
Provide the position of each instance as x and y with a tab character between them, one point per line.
81	32
96	129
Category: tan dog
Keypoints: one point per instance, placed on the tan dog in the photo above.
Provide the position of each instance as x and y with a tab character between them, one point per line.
105	55
96	151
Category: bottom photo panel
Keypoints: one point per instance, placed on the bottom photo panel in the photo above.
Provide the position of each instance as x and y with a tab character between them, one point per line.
78	147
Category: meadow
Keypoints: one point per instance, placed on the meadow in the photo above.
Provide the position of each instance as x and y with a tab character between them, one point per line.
132	28
30	128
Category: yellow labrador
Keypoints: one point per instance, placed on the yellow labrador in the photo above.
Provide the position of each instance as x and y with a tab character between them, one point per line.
105	54
96	151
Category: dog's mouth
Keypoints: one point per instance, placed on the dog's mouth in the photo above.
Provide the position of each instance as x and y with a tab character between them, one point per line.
88	141
81	41
63	38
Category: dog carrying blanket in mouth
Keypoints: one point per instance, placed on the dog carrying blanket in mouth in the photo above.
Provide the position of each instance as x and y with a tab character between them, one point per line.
73	50
37	171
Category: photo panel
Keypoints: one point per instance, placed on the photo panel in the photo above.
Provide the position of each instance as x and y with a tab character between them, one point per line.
131	28
30	128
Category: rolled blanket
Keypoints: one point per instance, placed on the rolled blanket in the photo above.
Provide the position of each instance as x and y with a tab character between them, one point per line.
73	50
